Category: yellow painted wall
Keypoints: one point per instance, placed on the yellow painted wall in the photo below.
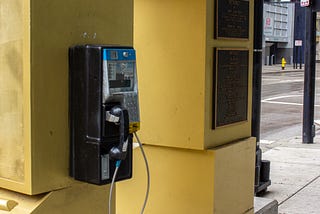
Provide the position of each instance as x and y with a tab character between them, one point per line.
34	71
97	22
80	198
169	37
174	43
14	94
183	181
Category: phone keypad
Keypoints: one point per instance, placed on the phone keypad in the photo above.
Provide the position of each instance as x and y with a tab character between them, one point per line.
131	104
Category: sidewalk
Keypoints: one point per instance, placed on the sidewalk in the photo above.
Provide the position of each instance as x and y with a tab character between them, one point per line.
295	175
277	68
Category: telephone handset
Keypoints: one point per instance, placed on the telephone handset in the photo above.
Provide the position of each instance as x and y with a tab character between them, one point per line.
119	152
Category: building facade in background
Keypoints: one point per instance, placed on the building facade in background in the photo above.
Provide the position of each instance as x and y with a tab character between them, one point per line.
278	36
284	33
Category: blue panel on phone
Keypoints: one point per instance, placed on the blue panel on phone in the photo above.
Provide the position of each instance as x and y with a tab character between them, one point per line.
119	54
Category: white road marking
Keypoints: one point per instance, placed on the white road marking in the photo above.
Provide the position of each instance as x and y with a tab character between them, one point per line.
282	103
270	79
290	81
285	103
267	141
281	80
281	97
271	100
317	122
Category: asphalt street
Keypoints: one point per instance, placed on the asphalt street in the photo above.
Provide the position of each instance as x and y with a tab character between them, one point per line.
282	103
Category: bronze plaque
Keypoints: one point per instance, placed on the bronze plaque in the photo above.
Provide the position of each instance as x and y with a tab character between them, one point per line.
231	91
232	19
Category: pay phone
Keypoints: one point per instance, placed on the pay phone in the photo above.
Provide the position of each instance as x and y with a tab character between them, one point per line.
104	111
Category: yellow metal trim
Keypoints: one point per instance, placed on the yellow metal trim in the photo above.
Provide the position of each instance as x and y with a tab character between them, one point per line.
134	127
27	96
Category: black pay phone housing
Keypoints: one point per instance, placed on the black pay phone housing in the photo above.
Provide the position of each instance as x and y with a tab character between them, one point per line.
91	136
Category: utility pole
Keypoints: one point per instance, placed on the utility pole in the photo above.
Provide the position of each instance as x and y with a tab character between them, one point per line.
309	75
256	83
262	168
257	69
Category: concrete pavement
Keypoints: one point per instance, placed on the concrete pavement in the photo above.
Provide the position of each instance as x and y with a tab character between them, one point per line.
295	175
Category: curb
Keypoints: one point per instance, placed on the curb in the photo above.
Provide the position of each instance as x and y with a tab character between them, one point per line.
265	206
282	71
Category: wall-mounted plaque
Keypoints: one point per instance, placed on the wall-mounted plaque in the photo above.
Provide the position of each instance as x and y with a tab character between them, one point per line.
232	19
231	86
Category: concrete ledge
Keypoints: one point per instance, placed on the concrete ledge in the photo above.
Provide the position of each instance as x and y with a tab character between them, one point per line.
265	206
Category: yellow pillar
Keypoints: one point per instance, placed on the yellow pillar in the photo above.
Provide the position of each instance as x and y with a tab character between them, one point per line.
34	134
78	198
201	158
175	46
185	181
